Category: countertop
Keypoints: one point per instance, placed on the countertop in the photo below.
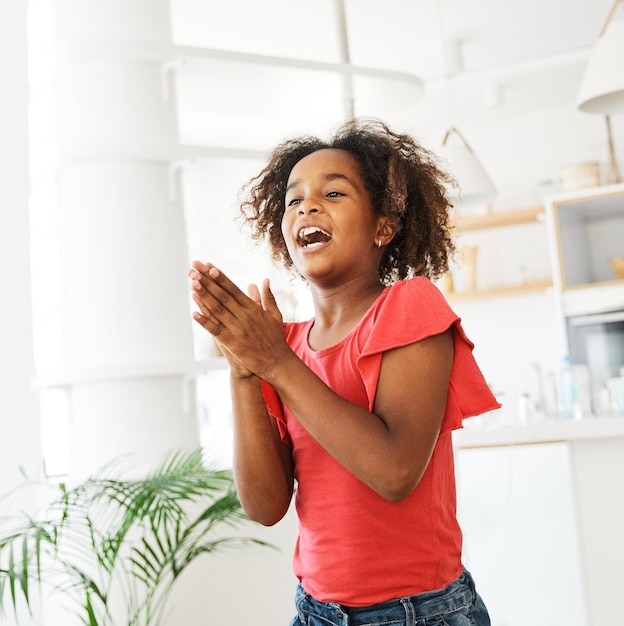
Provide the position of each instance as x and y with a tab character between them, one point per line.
545	430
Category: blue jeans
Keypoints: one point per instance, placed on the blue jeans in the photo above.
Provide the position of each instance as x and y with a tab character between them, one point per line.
456	605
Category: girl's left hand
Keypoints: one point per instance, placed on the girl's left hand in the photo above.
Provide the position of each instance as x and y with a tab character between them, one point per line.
248	327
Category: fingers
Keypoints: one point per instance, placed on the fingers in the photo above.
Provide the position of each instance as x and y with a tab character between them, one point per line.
226	285
215	304
269	304
249	327
215	282
204	317
218	294
254	293
198	266
222	306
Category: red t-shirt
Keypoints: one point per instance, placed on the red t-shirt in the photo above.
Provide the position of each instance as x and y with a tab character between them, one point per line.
354	547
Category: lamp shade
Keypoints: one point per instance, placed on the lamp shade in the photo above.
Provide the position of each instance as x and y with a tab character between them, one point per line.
602	86
474	183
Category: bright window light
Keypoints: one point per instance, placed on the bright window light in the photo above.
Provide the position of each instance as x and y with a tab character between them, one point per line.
43	207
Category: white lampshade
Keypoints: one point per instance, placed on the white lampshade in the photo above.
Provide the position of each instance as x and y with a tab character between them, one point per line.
474	183
602	87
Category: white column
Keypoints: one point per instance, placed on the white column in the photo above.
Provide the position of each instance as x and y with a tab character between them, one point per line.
127	337
126	326
20	442
20	438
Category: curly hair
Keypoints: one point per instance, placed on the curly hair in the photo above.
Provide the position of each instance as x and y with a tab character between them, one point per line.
405	185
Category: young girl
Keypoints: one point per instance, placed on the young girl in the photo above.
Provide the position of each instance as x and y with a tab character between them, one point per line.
356	405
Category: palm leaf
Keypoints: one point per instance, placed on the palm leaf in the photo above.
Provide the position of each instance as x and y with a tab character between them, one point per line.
135	535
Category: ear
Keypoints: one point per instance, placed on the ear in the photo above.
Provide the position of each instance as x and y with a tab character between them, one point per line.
386	231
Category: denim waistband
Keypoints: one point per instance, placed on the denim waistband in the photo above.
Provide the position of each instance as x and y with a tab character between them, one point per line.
459	594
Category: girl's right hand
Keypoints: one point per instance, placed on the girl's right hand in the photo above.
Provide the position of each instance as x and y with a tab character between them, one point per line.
237	369
267	302
263	298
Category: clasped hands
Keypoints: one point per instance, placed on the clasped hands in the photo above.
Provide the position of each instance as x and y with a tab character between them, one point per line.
248	328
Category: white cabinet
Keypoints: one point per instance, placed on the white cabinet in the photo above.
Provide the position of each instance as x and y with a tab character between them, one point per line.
590	231
516	508
583	231
586	231
542	512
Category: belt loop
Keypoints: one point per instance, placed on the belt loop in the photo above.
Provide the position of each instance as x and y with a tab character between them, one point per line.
343	615
410	614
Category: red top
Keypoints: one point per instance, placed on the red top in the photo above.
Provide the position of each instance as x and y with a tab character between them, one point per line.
355	547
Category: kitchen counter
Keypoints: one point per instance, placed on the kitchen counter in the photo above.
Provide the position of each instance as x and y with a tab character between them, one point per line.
547	430
593	463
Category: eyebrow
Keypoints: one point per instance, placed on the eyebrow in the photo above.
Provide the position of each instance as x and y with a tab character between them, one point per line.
328	177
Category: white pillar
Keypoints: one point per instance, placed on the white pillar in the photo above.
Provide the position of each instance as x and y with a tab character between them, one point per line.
20	438
126	325
20	442
127	337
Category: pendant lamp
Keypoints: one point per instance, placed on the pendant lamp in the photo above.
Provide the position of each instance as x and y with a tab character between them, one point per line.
473	181
602	86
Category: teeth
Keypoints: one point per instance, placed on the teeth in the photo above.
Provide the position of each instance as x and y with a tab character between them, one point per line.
312	236
308	230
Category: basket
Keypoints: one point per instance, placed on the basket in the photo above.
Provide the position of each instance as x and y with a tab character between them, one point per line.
617	265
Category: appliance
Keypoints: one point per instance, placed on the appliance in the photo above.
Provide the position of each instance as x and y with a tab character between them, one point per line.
597	341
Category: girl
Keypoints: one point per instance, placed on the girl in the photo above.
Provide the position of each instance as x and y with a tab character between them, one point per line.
356	405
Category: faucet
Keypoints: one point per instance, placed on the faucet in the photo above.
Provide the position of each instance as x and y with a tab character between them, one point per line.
539	401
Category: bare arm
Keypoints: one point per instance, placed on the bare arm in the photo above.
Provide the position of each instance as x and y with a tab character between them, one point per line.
262	463
263	467
387	449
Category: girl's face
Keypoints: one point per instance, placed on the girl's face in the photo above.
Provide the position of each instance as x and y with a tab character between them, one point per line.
328	224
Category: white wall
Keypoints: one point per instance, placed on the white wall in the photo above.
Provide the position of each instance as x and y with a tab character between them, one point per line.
516	342
254	585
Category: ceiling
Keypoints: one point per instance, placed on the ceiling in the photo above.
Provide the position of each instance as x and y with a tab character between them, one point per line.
475	58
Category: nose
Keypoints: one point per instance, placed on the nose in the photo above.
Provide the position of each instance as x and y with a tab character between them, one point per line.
308	206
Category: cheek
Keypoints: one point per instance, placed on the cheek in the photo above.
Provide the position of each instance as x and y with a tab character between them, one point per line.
286	229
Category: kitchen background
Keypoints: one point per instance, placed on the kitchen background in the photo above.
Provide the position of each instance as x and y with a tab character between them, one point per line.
127	129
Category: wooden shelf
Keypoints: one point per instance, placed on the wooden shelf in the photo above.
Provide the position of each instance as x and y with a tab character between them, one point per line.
498	219
503	290
596	285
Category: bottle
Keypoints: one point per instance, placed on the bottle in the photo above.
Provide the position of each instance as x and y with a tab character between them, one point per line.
615	389
573	397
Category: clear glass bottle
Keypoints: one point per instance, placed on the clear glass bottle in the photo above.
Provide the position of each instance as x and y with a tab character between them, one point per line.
573	390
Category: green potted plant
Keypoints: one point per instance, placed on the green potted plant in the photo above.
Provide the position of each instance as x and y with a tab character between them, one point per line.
111	535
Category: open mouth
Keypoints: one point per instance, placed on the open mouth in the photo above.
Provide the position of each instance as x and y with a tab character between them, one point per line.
312	236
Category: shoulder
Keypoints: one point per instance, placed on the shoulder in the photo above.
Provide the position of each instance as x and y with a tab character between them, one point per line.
410	310
417	301
419	290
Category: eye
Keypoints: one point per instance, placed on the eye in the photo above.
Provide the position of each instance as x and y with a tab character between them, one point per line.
334	194
293	202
